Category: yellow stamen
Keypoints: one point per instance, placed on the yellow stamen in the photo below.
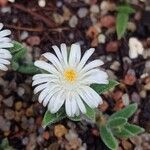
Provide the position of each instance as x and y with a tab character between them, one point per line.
70	75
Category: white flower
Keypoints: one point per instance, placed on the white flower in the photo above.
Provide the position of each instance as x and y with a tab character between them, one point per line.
68	80
135	47
5	43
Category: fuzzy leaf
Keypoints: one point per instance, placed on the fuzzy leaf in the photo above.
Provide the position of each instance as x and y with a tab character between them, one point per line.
134	129
101	88
76	118
125	112
125	9
108	138
121	24
90	113
123	133
114	123
50	118
17	47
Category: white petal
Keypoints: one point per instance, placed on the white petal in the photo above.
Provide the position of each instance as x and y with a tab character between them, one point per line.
4	61
40	88
1	26
3	67
68	105
73	106
59	101
51	93
6	45
93	95
75	54
54	60
80	104
85	57
39	81
43	94
91	65
5	39
46	66
85	98
39	76
5	33
51	102
64	53
58	53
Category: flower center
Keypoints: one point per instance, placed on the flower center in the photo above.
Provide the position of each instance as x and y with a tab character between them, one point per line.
70	75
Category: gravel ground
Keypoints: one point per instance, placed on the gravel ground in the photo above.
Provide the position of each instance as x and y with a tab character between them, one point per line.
92	24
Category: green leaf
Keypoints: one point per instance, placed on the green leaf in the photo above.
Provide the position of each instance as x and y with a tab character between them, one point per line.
76	118
123	133
17	47
121	24
90	113
125	112
134	129
108	138
101	88
114	123
50	118
127	9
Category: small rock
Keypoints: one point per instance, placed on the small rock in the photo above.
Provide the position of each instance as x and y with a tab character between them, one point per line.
103	107
18	105
131	26
112	46
20	91
9	101
42	3
108	21
94	9
46	135
34	40
115	66
25	141
117	95
135	97
29	111
127	145
125	99
9	114
73	21
6	9
24	35
143	94
82	12
59	130
129	79
101	38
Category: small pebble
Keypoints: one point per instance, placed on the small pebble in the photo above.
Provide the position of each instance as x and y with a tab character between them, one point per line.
24	35
125	99
101	38
9	101
42	3
6	9
94	9
33	40
73	21
59	130
112	46
108	21
82	12
9	114
20	91
115	66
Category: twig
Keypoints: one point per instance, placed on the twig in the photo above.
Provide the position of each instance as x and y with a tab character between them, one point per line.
34	14
24	28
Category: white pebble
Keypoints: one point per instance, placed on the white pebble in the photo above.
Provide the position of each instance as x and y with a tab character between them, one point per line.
24	35
12	1
115	66
42	3
125	99
82	12
135	47
101	38
6	10
73	21
94	9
